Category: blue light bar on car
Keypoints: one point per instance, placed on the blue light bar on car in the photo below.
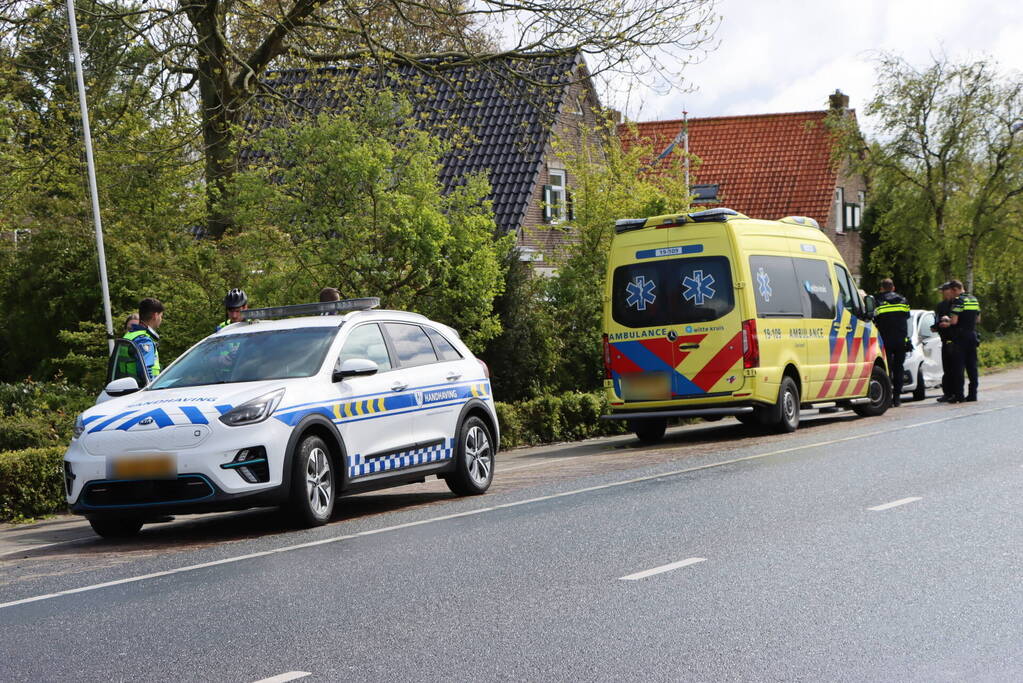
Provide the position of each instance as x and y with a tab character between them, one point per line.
709	216
322	308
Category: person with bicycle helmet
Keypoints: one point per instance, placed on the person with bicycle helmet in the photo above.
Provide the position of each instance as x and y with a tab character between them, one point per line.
235	302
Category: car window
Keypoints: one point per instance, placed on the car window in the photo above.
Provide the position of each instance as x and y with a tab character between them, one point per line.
847	291
366	341
816	288
444	348
672	291
250	357
924	326
411	344
775	288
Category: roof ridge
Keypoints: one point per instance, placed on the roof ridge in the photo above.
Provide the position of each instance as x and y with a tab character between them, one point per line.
732	116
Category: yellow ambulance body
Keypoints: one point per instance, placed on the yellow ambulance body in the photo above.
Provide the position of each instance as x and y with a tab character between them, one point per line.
713	313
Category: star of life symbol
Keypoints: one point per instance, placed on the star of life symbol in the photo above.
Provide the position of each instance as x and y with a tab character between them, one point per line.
699	287
641	293
764	284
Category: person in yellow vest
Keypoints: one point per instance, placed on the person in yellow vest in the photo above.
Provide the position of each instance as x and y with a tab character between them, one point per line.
143	335
235	302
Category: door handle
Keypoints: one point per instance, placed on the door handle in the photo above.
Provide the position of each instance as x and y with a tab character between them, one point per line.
684	347
399	386
452	376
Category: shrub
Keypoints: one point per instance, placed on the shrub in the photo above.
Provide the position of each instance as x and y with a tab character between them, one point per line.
31	483
549	418
1000	351
37	414
21	431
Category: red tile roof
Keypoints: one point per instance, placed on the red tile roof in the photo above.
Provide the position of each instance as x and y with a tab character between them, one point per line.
766	165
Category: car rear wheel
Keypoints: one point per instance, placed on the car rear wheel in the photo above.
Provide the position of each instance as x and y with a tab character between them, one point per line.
474	459
920	391
649	431
116	528
313	488
879	392
783	416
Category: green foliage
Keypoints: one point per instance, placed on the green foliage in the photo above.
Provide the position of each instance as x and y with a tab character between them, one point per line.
360	207
31	483
1000	351
39	413
549	418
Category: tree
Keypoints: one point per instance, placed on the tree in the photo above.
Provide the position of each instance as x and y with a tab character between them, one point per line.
949	151
356	203
222	50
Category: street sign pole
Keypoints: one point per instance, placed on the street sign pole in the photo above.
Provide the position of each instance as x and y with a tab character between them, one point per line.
92	173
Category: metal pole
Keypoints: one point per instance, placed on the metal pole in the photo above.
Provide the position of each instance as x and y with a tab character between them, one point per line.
92	173
685	127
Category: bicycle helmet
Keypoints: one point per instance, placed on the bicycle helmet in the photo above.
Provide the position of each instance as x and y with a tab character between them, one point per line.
235	298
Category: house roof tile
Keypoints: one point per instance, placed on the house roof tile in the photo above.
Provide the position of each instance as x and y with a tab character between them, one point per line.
766	165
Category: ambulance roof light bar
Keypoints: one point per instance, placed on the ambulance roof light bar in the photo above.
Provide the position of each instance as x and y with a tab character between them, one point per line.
322	308
805	221
719	215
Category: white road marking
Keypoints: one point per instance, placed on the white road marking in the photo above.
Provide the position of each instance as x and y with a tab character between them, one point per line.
281	678
663	568
895	503
479	511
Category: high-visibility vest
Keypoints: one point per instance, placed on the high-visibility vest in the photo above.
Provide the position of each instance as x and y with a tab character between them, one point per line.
154	369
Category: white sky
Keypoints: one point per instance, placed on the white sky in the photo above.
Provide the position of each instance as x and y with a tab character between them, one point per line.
789	55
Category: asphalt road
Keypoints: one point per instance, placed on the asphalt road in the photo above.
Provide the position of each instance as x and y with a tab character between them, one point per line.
853	549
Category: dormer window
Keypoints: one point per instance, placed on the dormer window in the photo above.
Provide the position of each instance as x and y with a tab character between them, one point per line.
555	196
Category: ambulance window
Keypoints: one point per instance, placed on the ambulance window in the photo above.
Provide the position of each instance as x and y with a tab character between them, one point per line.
671	292
817	291
775	288
847	290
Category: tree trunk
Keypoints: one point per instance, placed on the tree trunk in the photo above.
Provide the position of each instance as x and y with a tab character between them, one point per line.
971	261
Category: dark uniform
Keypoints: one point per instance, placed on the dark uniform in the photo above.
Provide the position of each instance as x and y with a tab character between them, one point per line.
949	358
966	308
892	318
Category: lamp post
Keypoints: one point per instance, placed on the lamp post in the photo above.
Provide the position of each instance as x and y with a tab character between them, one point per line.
87	133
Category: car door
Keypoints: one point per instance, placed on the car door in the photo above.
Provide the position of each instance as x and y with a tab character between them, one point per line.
438	389
930	344
374	413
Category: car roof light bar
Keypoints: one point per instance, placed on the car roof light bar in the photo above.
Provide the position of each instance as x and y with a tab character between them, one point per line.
321	308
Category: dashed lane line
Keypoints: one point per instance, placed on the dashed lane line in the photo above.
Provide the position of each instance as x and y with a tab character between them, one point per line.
663	568
283	678
895	503
479	511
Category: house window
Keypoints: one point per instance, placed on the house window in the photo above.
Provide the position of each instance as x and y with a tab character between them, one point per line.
555	197
838	211
853	214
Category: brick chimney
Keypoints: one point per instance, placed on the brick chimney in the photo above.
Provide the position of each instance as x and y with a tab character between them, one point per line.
838	100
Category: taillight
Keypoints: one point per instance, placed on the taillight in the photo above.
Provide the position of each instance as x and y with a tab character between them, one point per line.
607	358
486	370
750	345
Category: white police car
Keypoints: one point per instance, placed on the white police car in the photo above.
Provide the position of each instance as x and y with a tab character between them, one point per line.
292	412
922	368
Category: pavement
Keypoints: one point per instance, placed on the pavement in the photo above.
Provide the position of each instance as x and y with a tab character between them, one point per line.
852	549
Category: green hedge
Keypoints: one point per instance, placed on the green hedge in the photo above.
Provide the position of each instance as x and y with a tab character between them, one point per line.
549	418
31	483
37	414
1007	350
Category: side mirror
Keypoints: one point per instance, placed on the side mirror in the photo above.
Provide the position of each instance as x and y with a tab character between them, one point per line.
355	367
122	387
869	306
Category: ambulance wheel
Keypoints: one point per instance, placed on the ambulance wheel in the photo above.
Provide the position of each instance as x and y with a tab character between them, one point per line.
474	459
879	392
750	419
784	415
313	484
920	392
116	528
649	431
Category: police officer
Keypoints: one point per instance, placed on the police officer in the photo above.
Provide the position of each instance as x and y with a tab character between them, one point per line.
143	335
892	316
963	323
949	358
235	302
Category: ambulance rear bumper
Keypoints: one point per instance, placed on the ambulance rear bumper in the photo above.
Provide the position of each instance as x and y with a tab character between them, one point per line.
677	412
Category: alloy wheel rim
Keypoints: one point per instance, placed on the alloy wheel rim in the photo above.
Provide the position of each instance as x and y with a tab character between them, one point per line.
790	406
876	392
317	481
478	455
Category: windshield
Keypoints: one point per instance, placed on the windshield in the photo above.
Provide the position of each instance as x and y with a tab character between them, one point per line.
250	357
686	290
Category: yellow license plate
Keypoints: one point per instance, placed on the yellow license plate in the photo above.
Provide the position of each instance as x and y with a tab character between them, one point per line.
156	466
648	386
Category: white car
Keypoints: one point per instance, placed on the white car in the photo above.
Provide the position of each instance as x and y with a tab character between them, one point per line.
291	412
922	368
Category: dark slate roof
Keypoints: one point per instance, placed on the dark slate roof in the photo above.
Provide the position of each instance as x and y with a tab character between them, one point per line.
503	106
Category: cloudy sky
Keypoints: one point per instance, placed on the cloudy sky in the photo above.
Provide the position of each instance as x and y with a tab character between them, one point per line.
788	55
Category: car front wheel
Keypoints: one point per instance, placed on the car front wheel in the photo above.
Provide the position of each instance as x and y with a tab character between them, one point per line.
474	459
116	528
313	488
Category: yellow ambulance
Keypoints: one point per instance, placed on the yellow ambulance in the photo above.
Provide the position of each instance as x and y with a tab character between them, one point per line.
712	313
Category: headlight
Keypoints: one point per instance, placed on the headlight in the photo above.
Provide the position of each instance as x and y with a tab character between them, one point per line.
251	412
79	426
